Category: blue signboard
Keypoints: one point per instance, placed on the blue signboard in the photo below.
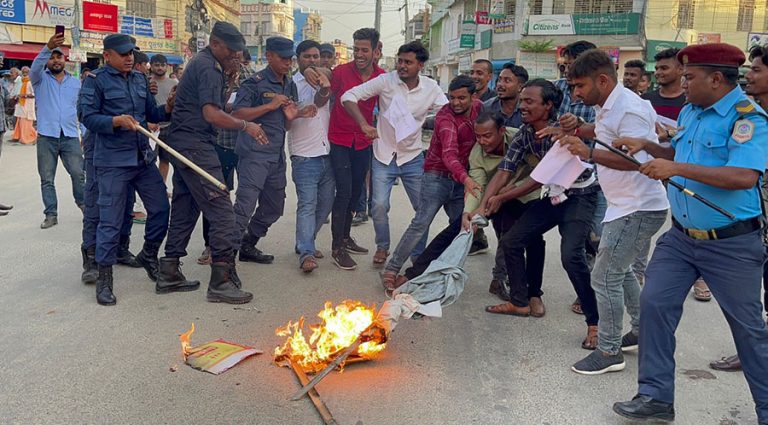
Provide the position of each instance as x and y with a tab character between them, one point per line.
134	25
12	11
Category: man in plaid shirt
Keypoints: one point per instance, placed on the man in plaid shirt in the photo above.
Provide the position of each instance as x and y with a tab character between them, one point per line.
225	145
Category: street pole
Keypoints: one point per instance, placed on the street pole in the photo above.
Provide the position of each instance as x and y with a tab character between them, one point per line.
377	17
407	18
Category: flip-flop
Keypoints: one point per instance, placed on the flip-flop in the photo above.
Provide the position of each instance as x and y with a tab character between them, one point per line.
308	265
576	307
703	295
590	342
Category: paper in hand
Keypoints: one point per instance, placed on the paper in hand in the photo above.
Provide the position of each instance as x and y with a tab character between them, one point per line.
559	167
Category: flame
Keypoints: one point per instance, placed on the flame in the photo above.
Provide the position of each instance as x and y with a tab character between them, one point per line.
340	327
186	346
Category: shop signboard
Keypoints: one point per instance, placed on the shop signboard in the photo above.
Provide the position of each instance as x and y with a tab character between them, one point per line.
485	39
482	18
12	11
550	25
707	38
656	46
99	17
467	40
606	23
506	25
44	13
135	25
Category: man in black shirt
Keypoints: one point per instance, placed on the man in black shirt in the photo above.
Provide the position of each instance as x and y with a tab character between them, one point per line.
669	99
196	116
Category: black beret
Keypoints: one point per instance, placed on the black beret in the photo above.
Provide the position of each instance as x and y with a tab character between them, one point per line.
230	35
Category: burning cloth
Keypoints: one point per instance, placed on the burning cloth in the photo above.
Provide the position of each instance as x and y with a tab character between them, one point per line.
441	284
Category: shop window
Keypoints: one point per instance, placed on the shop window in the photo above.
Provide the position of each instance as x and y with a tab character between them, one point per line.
536	7
686	11
746	15
143	8
510	7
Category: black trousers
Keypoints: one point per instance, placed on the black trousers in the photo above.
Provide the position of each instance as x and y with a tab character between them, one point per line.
349	168
192	194
573	219
228	159
502	221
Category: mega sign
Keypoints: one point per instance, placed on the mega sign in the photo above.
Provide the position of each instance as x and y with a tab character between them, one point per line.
50	13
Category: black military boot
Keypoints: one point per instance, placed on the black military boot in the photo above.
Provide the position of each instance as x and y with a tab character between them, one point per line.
124	255
147	258
171	279
104	295
222	289
249	253
90	268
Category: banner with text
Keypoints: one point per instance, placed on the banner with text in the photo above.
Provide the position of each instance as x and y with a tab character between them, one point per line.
99	17
50	13
584	24
12	11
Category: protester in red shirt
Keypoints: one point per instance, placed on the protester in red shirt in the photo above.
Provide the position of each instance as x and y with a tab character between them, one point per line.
445	181
350	146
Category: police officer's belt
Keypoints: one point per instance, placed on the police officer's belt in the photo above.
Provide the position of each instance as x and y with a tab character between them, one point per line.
736	229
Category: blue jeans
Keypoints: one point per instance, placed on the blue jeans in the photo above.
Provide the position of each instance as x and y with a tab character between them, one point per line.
614	281
49	149
315	190
382	179
437	191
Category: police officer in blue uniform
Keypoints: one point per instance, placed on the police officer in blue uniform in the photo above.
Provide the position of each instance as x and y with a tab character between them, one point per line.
268	98
91	219
113	101
198	112
720	153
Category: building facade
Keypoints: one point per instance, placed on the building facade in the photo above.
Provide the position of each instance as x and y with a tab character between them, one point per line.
307	25
261	19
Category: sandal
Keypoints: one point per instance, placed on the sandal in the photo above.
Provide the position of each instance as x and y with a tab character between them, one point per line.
509	309
319	254
308	264
701	291
389	280
590	342
380	257
576	307
399	281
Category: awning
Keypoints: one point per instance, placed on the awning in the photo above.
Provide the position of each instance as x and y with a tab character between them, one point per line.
499	64
172	59
25	51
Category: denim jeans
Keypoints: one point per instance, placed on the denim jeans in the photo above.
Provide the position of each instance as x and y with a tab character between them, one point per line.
383	177
315	188
437	191
613	280
49	149
573	218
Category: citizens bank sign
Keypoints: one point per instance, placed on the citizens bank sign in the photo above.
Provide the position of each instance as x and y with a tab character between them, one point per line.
50	13
550	25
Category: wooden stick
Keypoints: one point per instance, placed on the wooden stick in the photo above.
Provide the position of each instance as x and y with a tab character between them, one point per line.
323	373
322	409
183	159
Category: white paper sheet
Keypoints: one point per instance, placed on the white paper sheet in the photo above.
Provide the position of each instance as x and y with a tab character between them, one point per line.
667	122
232	97
401	119
559	167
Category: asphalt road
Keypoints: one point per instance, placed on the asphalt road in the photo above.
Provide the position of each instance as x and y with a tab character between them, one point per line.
67	360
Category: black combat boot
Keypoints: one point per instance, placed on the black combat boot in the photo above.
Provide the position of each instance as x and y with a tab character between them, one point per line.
233	271
250	254
222	289
171	279
147	258
90	268
124	255
104	294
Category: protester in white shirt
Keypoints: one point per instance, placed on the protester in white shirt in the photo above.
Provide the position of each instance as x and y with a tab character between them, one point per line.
405	98
637	205
310	161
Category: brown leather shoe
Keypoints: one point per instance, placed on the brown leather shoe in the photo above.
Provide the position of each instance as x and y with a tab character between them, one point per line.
537	307
497	288
380	257
509	309
727	364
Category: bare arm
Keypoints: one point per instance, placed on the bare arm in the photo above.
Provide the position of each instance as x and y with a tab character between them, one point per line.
728	178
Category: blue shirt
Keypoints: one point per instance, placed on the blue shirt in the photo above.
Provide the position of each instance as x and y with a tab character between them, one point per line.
56	101
576	107
107	93
707	139
256	91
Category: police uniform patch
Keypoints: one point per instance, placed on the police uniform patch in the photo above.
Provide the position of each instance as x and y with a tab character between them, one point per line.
745	107
743	131
269	95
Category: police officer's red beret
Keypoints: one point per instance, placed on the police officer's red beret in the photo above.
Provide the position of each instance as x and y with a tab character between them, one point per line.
715	54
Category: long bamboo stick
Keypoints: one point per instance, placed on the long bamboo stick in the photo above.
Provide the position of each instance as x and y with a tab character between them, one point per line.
322	409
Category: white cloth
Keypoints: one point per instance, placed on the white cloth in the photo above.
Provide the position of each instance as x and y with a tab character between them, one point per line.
308	137
425	96
625	114
27	110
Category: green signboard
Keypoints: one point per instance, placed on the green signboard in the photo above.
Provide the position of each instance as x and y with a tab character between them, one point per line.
606	23
467	40
656	46
485	39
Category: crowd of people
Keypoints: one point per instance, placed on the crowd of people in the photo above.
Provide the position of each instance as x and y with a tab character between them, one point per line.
354	130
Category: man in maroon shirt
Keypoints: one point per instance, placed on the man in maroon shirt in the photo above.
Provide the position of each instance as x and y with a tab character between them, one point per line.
445	179
669	99
350	146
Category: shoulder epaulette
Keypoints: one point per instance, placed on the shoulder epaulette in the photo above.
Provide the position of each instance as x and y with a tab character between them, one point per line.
745	107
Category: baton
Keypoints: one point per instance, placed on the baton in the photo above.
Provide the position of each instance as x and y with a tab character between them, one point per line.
680	187
182	158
